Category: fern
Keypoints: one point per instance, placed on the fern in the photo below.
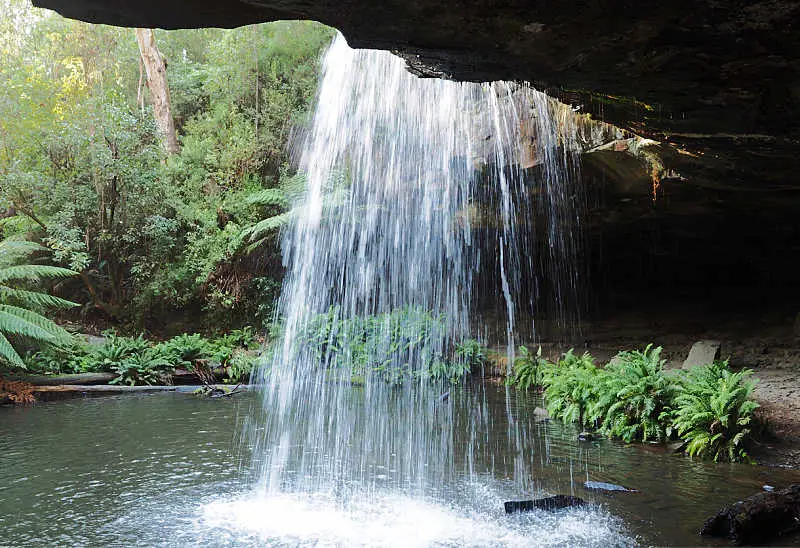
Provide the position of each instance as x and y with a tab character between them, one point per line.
715	412
20	306
639	396
528	370
571	387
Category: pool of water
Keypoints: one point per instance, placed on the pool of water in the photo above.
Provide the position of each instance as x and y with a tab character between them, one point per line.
174	469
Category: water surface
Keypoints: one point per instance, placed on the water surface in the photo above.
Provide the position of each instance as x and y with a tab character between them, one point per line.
169	469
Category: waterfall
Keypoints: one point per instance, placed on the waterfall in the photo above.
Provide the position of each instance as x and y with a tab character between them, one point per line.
382	256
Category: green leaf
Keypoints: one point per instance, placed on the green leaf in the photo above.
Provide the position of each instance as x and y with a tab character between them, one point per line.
8	353
34	273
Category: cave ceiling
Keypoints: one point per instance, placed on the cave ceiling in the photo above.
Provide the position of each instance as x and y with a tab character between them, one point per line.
716	82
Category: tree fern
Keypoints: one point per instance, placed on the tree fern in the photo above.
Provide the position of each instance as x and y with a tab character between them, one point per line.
20	306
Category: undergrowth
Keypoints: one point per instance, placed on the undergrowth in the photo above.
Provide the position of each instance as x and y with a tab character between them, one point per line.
137	361
710	408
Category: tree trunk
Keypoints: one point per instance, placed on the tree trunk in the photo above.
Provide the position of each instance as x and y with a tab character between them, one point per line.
156	71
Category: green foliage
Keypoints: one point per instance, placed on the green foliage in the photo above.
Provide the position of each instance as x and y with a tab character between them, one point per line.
472	353
69	357
110	355
394	347
714	412
82	168
148	366
710	407
571	387
528	369
185	349
137	360
637	396
21	303
239	367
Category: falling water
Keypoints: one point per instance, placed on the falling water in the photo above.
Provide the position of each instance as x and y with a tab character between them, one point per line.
384	236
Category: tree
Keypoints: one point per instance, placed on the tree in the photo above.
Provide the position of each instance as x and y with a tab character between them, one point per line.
156	71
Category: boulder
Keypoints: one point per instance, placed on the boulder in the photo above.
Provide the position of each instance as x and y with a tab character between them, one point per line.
702	353
758	519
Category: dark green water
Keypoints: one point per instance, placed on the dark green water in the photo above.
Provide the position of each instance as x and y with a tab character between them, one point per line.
171	469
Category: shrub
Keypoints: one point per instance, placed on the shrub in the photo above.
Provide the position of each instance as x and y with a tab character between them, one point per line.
239	367
714	412
452	371
115	350
528	370
70	357
638	396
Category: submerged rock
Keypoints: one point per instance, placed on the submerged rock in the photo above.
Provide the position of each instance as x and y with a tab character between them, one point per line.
603	486
556	502
758	519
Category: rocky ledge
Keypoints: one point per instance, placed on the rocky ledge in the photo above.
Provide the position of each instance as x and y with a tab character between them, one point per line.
689	70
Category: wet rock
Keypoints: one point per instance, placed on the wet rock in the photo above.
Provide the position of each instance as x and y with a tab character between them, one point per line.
676	447
603	486
587	436
702	353
556	502
758	519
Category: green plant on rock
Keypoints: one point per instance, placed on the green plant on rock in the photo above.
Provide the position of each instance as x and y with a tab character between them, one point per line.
528	370
21	301
639	396
571	387
714	412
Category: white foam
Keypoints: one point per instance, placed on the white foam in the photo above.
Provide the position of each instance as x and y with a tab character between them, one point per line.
397	520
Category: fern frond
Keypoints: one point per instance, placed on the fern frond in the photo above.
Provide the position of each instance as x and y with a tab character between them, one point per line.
33	299
8	353
34	273
268	196
53	330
